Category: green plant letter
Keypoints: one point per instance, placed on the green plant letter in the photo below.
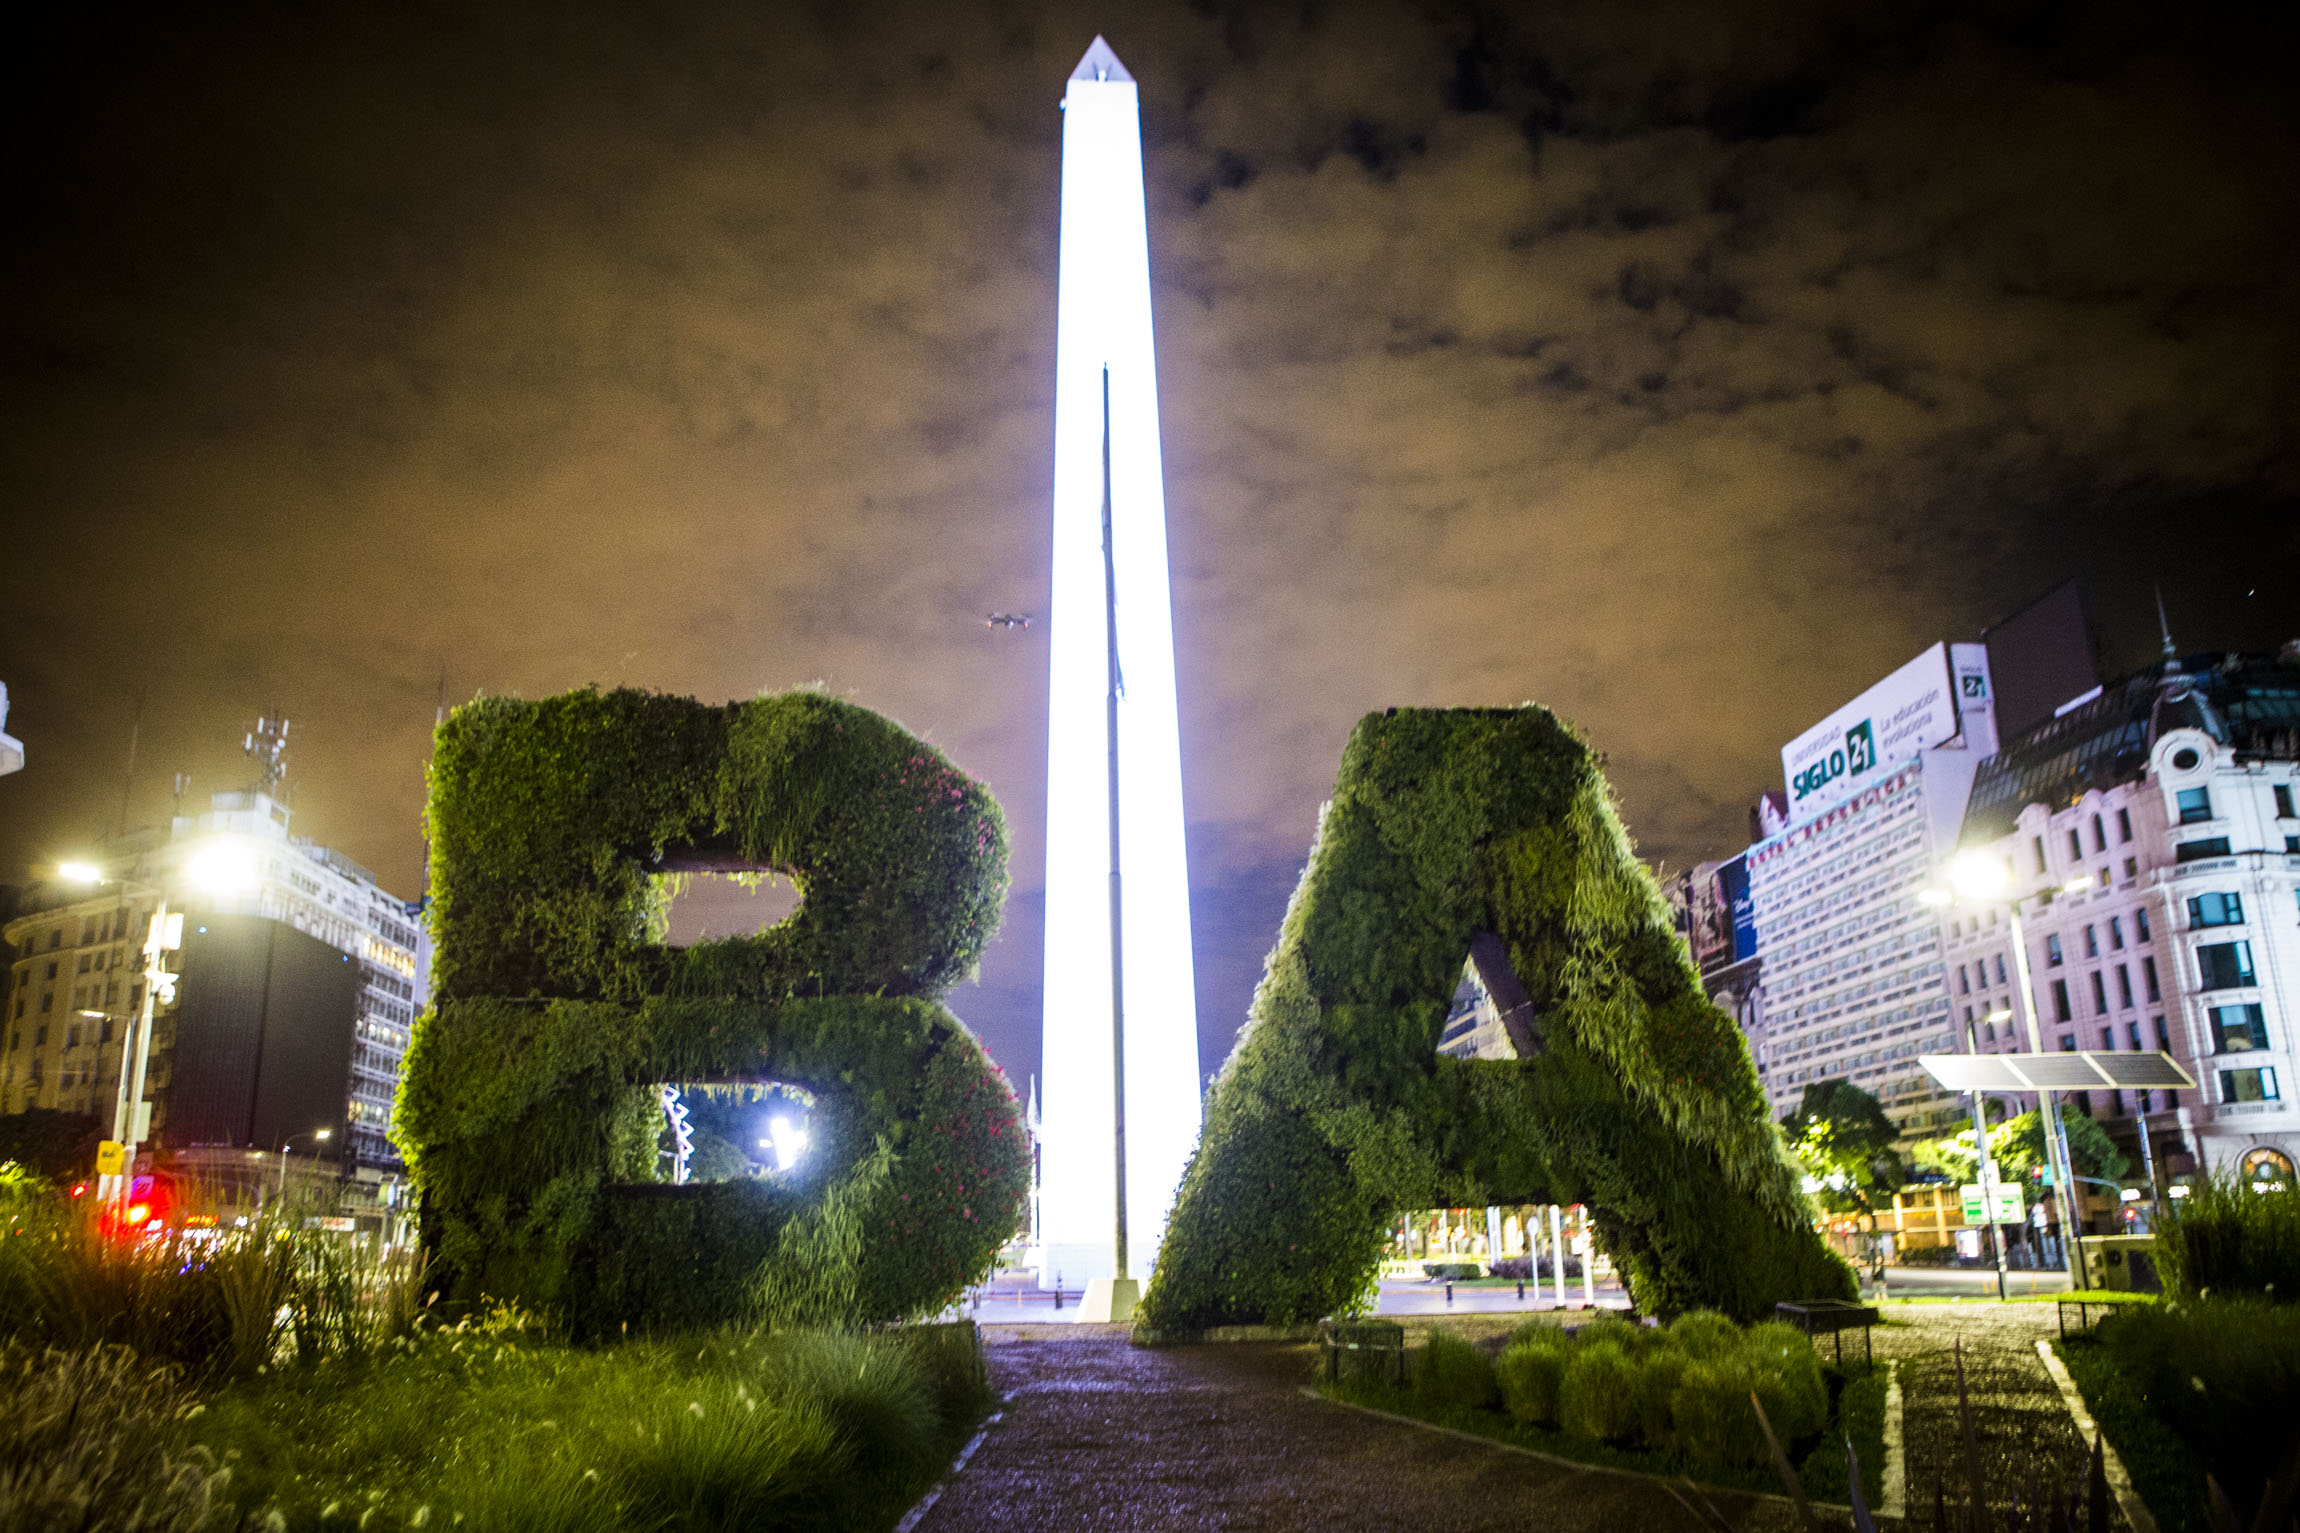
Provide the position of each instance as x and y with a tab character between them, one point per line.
1494	828
528	1110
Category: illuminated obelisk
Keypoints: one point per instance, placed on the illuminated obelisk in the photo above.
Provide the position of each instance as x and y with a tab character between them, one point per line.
1112	619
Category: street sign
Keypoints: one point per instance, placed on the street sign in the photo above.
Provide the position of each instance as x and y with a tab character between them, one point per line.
111	1158
2008	1209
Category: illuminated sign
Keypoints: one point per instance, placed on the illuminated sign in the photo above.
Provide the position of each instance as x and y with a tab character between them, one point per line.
1911	709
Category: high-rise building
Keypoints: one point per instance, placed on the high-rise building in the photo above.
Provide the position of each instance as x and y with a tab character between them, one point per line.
1854	981
1114	764
300	980
11	748
2168	799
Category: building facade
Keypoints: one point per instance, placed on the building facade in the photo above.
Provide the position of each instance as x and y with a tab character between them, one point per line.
78	979
1854	978
2168	802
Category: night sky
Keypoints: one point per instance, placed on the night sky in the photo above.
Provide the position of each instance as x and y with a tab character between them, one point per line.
1682	367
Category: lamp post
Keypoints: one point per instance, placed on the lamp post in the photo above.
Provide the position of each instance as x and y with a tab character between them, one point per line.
1979	878
316	1136
221	866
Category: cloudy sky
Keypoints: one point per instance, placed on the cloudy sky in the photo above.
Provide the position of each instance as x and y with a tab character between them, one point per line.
1684	367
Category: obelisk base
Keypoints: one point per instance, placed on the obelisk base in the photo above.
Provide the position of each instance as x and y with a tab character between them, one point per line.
1110	1299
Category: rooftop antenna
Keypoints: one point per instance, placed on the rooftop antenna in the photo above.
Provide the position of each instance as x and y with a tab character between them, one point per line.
2171	655
183	785
266	746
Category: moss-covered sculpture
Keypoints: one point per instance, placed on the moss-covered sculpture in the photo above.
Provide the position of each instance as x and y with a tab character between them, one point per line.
528	1110
1633	1094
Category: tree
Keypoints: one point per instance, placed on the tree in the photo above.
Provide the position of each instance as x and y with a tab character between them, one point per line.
2018	1145
1841	1136
60	1146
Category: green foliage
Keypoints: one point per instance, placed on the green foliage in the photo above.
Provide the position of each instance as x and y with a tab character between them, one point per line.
488	1426
2228	1240
50	1143
1598	1399
2223	1376
527	1109
1453	1374
2018	1145
1841	1136
1335	1112
271	1293
1659	1373
80	1445
1531	1370
1704	1334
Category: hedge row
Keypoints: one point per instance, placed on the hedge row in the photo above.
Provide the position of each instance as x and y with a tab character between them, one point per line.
528	1109
1335	1112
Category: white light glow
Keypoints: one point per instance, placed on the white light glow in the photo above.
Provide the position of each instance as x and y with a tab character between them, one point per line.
1978	875
223	866
790	1142
1103	322
79	872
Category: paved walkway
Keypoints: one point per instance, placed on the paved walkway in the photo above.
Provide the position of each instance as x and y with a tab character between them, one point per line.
1098	1433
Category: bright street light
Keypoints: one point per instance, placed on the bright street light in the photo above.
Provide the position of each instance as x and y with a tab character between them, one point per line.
1977	875
222	866
79	872
790	1141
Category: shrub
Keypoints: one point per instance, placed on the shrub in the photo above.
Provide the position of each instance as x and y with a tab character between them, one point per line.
1659	1372
1519	1267
1598	1399
1705	1334
1613	1330
1531	1370
1456	1271
2225	1240
1799	1406
1713	1421
2223	1375
1453	1374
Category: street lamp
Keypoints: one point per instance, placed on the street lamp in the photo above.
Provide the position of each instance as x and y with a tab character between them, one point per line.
1982	878
316	1136
220	866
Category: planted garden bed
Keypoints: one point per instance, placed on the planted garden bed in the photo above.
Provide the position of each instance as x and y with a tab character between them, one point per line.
1669	1402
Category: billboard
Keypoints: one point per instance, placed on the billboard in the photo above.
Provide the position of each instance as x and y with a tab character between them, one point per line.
1733	884
1911	709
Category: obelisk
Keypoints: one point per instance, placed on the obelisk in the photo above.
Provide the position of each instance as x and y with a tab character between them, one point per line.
1112	642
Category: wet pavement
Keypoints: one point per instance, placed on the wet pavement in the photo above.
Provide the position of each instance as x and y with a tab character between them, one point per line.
1098	1433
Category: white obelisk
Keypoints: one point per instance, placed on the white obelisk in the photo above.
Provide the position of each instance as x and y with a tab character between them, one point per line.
1106	395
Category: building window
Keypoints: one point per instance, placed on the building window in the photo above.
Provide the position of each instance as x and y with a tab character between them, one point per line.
2249	1085
2075	845
40	1036
2091	942
1964	987
2000	968
2131	870
2116	932
2123	989
2284	802
2132	1031
51	974
2216	910
2197	851
2140	925
2060	1006
2068	1043
2163	1035
2052	955
2148	982
2224	965
2292	846
2195	805
2237	1028
47	1002
2099	995
2036	843
2123	826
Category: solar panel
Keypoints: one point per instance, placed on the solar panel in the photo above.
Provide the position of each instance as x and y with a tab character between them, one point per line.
2075	1070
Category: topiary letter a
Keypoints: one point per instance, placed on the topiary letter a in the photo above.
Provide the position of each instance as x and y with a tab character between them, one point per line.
1490	829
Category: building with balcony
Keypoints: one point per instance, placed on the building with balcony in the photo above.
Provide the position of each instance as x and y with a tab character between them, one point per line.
2170	798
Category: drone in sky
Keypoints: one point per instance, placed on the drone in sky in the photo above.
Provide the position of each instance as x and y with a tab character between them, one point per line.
1007	620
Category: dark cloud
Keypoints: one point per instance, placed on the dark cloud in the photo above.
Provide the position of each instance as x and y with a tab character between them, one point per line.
1683	367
